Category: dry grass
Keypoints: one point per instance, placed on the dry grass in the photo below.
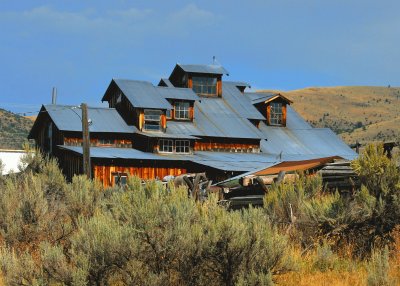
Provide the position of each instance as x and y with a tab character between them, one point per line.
330	278
346	271
340	108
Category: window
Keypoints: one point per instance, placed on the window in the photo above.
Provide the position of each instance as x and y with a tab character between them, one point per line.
205	85
106	142
182	110
152	120
168	114
165	145
276	115
182	146
120	179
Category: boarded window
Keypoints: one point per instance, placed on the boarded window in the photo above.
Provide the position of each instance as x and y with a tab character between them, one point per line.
152	119
276	115
204	85
182	110
165	146
182	146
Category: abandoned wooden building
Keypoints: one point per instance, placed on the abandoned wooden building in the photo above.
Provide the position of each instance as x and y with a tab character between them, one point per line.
193	121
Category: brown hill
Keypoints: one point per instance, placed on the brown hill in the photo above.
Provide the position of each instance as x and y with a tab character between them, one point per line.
14	130
363	113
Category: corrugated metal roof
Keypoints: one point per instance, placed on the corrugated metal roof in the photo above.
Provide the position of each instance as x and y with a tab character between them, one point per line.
178	93
68	118
237	162
167	134
294	120
305	143
142	94
214	117
239	83
184	128
239	102
209	69
256	97
117	153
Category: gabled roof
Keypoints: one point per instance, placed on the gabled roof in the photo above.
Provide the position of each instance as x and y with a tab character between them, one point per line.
141	94
68	118
178	93
258	97
206	69
165	82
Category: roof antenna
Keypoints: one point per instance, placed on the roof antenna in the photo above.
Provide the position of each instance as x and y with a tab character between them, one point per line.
213	60
54	96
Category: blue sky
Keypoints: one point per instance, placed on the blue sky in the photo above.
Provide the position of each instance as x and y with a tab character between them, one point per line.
79	46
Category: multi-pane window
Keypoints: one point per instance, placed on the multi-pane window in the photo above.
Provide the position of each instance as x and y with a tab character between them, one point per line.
182	110
166	145
182	146
276	115
152	120
106	142
205	85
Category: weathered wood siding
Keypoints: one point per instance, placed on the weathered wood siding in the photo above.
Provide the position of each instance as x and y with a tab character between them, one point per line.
98	142
214	145
105	173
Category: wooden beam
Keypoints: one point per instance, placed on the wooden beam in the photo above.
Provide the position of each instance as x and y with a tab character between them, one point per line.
86	142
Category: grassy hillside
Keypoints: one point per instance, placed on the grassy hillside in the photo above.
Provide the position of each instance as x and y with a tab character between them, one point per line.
13	130
362	113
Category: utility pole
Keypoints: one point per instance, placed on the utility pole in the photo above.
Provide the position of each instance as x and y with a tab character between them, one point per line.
87	170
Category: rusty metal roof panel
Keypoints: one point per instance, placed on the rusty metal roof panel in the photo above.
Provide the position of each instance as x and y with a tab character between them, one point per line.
68	118
206	69
239	102
142	94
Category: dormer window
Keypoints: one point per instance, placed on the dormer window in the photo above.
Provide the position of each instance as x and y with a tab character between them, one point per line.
276	114
182	110
204	85
152	120
272	106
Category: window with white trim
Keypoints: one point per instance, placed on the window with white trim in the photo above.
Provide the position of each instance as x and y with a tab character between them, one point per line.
182	146
166	145
182	110
168	113
276	114
152	119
